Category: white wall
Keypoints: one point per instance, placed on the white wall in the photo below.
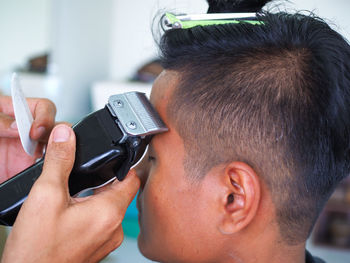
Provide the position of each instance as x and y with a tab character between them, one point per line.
24	30
336	12
81	51
132	41
76	33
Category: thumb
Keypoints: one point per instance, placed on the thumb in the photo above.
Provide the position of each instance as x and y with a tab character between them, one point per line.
120	194
126	189
60	155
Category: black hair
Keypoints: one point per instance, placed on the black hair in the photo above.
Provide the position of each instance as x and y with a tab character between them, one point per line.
274	95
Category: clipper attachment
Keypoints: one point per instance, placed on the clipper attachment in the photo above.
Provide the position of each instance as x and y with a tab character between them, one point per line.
188	21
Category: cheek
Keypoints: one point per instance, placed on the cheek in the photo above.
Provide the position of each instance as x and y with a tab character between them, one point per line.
154	207
170	218
172	225
154	223
175	215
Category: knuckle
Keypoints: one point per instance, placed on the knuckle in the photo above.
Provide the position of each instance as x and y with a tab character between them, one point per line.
110	220
107	224
48	106
42	194
48	103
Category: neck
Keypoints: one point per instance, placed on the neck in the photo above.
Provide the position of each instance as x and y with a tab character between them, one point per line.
275	254
264	249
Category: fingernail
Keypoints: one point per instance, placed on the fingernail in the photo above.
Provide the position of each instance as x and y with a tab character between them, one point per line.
61	133
13	125
40	131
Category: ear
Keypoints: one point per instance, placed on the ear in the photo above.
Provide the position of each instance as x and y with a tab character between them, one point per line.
241	197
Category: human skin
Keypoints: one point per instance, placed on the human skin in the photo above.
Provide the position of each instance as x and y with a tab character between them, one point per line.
172	219
226	216
181	219
13	158
52	226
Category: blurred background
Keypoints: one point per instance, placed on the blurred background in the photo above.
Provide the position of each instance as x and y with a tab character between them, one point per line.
79	52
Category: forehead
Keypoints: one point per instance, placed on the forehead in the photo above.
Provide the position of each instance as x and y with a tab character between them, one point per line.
161	93
163	87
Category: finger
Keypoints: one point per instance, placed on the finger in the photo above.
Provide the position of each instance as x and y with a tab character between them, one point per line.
39	151
101	189
6	106
8	126
64	122
59	157
44	112
111	204
120	194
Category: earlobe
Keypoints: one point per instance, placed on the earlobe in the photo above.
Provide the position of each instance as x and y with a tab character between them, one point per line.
241	198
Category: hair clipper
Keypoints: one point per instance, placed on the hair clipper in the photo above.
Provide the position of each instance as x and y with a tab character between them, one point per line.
108	143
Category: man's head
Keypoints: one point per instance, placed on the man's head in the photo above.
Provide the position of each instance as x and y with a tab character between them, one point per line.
268	104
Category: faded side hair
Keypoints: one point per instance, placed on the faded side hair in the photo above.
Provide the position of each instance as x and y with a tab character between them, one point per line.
275	96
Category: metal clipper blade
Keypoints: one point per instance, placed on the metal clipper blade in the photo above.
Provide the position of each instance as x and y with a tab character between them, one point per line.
136	115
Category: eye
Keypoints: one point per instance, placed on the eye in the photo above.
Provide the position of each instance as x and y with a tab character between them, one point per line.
151	158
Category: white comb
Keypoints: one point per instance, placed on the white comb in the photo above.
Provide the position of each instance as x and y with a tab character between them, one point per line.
23	116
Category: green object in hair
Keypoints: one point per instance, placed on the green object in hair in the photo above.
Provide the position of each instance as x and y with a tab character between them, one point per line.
174	22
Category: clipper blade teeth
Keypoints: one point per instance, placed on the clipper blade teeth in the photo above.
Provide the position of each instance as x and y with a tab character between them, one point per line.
136	114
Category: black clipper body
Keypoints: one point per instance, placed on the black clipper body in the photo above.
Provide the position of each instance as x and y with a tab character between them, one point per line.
108	143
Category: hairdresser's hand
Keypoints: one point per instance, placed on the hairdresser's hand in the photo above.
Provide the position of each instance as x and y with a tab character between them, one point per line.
54	227
13	159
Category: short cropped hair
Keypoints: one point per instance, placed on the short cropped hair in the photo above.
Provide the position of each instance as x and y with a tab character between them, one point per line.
274	95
